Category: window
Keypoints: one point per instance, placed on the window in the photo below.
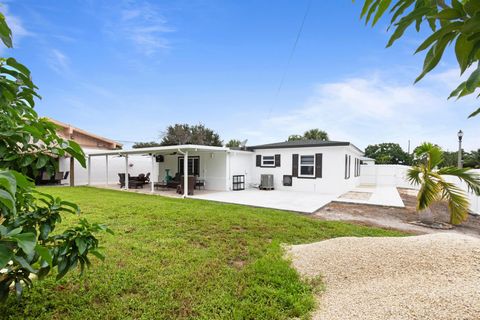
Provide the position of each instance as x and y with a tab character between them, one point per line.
268	161
347	166
193	166
307	166
357	167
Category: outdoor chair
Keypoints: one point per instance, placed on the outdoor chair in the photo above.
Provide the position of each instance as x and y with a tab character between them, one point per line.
174	182
132	183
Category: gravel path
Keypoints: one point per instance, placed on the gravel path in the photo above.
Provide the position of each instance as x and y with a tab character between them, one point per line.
434	276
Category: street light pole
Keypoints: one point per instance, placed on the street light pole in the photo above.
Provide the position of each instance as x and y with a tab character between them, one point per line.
460	136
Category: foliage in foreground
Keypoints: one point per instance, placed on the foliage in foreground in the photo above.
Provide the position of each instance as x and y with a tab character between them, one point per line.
450	22
434	186
28	218
183	259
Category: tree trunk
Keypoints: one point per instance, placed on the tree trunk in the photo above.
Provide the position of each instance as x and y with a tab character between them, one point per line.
426	216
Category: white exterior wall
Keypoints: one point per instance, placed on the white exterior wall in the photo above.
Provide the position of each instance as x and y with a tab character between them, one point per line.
241	163
212	168
333	169
137	164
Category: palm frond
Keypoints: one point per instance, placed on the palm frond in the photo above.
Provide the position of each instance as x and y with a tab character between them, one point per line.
414	175
457	201
431	154
471	178
428	193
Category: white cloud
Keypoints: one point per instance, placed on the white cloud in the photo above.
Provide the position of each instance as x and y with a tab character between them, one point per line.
142	25
59	62
372	109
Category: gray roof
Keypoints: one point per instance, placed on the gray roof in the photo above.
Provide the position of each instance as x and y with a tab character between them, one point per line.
303	144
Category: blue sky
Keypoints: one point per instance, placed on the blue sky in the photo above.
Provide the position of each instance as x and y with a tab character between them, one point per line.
127	69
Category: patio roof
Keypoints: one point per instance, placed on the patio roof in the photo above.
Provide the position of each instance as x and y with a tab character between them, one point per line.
160	150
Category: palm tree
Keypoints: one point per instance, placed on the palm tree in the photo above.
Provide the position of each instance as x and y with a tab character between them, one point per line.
434	187
315	134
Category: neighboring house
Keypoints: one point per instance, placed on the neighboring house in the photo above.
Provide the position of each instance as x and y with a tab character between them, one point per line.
88	141
313	165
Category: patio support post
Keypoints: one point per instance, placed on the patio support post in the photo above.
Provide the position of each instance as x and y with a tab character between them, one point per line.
106	170
227	171
126	172
185	174
152	184
89	164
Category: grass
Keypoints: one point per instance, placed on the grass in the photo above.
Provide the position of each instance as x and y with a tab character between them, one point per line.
182	259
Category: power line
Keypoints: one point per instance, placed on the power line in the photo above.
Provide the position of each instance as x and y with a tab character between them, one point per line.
292	52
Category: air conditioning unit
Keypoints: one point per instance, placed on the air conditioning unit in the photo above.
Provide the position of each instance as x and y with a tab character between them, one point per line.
266	182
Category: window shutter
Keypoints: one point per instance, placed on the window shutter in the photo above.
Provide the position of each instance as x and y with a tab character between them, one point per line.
277	160
259	160
318	165
295	165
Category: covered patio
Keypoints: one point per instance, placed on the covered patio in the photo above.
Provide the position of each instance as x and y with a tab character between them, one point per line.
206	167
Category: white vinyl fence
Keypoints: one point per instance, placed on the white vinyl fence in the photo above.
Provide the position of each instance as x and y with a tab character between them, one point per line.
396	175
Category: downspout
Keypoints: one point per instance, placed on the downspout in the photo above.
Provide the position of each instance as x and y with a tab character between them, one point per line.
185	172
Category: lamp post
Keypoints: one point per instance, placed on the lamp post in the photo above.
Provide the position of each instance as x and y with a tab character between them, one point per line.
460	136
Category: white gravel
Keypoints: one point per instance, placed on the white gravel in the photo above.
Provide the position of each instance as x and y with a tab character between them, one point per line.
434	276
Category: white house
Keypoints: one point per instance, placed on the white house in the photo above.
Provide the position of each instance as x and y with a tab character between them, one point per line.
314	165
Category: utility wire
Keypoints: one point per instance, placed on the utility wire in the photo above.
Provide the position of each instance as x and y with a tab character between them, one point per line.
292	52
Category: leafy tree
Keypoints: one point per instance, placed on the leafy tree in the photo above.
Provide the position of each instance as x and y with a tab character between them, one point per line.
387	153
28	218
449	22
450	159
233	143
295	137
472	159
434	187
187	134
138	145
312	134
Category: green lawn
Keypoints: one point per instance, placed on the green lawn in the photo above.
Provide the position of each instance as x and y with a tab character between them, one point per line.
182	259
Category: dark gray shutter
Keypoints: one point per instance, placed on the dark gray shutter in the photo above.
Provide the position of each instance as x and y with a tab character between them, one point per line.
295	165
259	160
277	160
318	165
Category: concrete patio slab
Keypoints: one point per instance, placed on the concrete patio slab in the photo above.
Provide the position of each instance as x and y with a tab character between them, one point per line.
375	195
305	202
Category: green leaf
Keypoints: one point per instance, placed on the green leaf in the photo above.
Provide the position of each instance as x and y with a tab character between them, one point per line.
5	32
382	7
473	81
24	263
44	253
41	162
72	205
26	241
438	34
20	67
435	54
5	255
449	14
475	113
8	182
463	48
97	254
7	200
81	245
14	232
